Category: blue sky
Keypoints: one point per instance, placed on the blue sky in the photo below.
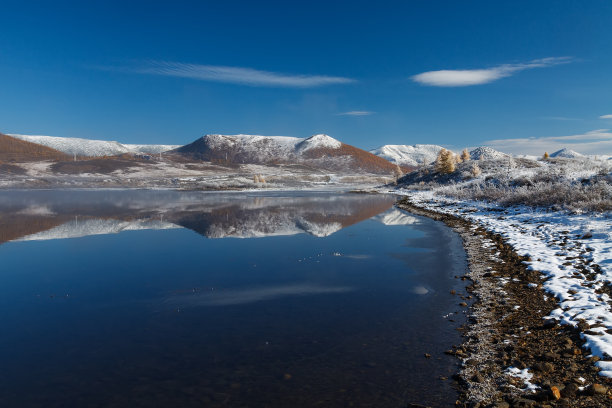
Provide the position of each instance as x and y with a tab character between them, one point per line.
518	75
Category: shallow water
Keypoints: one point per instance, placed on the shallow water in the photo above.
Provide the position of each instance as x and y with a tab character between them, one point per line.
129	299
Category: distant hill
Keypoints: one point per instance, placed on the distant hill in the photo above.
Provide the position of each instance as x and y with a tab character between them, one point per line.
408	155
566	153
92	148
16	150
318	151
487	153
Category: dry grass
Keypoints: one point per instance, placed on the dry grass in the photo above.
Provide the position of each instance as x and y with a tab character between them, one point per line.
15	150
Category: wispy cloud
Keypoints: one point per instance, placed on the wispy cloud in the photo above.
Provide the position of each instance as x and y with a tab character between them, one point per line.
355	113
562	118
605	117
468	77
234	75
594	142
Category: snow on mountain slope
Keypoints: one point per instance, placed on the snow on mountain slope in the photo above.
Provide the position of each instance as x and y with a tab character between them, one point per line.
566	153
150	149
318	151
87	227
319	141
408	155
91	148
396	217
486	153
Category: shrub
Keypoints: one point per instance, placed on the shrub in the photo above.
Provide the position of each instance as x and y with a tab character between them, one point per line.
475	170
465	155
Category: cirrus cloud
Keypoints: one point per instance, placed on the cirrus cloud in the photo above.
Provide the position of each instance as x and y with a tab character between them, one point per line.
468	77
605	117
234	75
355	113
595	142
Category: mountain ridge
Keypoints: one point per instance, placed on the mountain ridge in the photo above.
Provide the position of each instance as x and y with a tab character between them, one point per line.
320	151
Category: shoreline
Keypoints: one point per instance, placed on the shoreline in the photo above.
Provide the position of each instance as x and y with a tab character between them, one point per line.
511	355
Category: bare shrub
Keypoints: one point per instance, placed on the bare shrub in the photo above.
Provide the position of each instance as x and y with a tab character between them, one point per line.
475	170
465	155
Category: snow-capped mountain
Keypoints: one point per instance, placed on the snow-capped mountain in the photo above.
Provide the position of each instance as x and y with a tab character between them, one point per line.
487	153
91	148
566	153
408	155
318	151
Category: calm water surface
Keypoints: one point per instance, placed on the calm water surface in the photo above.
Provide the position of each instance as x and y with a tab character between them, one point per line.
167	299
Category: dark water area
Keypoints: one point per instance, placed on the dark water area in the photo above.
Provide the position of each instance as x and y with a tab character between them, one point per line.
169	299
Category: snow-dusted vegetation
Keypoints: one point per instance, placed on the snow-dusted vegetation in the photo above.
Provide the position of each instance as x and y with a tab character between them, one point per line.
554	212
577	184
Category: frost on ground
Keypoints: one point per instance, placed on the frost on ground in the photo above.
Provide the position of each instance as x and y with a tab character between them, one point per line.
166	173
566	241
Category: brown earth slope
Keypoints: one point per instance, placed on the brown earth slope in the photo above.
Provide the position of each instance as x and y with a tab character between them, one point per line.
15	150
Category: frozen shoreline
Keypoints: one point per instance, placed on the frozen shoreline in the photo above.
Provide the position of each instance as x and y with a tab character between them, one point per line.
564	261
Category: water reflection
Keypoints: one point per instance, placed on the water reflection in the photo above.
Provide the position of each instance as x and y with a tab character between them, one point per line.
316	314
46	215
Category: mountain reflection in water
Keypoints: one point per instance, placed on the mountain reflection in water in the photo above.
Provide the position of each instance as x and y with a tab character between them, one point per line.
309	312
46	215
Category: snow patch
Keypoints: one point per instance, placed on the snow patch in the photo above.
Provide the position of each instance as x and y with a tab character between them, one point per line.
91	148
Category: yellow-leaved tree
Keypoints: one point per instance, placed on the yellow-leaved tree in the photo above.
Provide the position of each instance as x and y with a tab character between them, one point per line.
445	163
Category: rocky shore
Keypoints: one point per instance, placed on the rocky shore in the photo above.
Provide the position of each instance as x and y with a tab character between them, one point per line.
512	354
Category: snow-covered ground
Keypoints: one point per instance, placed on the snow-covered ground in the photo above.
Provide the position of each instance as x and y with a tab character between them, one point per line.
92	148
408	155
573	251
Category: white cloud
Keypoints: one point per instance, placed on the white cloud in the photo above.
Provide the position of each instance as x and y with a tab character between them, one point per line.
468	77
355	113
605	117
595	142
235	75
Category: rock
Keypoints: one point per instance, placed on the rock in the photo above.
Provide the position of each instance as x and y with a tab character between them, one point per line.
523	402
597	389
477	378
463	304
583	325
570	390
551	356
427	355
555	392
544	367
501	404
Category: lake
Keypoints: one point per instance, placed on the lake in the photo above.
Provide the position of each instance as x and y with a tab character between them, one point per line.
191	299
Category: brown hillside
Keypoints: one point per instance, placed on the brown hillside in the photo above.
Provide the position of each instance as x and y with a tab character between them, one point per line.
15	150
364	161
